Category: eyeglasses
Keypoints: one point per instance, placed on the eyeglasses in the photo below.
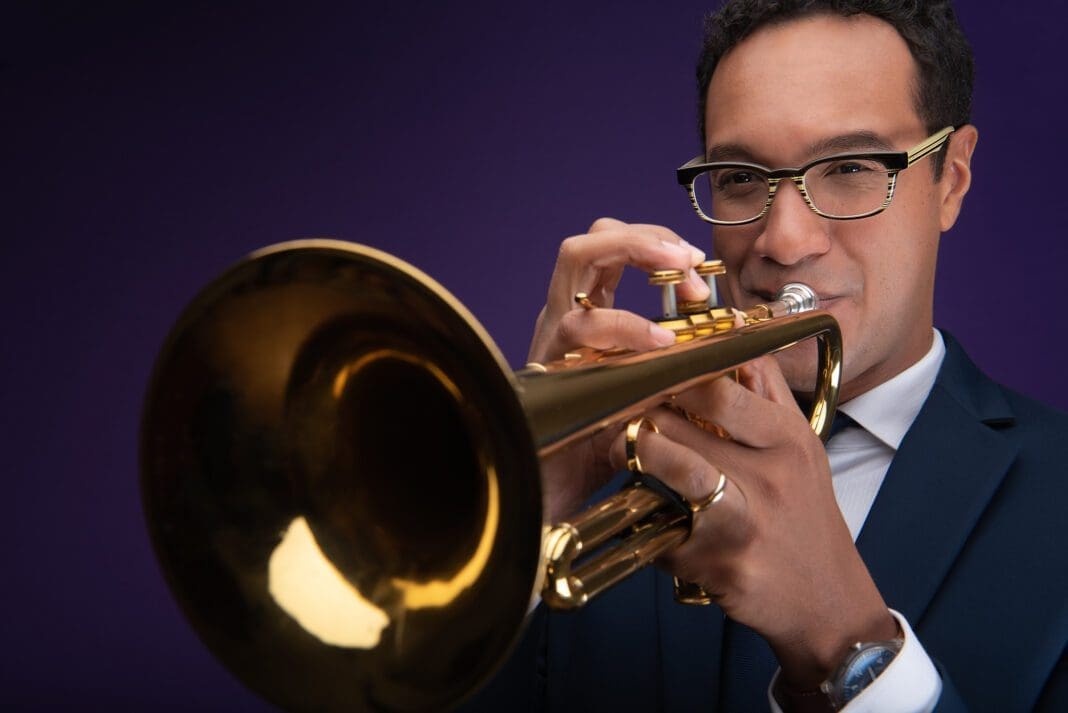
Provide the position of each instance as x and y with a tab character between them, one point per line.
840	187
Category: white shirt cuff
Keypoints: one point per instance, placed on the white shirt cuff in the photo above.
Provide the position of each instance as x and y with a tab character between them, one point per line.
910	683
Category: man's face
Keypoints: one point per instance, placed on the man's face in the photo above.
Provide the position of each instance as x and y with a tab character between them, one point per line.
806	89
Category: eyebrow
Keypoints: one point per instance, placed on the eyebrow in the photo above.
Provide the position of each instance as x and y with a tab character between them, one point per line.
856	141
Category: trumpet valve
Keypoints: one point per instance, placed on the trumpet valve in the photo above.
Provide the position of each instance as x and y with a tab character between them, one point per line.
708	270
666	281
672	310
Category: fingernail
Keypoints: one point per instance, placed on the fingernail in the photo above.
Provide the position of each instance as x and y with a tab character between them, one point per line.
663	337
697	255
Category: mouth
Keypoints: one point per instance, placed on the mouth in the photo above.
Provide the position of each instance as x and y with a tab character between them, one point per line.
826	301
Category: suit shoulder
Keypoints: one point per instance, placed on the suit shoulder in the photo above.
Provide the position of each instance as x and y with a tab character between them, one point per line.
1039	433
1033	417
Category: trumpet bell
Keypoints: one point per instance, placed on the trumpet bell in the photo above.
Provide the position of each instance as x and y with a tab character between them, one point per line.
388	572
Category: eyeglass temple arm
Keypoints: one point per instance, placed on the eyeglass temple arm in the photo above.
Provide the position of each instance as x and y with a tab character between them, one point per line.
928	147
682	171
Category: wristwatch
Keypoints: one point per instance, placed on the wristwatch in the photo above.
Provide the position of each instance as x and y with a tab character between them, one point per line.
861	666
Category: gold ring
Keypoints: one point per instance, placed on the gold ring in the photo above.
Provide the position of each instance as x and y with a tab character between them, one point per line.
583	300
634	464
712	498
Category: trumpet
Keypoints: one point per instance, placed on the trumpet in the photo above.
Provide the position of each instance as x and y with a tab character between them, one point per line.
341	474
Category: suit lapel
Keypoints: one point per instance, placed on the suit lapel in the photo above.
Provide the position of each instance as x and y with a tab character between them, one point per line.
943	477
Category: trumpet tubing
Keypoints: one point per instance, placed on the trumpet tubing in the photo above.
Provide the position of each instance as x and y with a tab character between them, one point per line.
341	475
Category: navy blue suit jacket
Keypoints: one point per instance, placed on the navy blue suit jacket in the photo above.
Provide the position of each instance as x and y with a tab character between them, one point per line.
967	538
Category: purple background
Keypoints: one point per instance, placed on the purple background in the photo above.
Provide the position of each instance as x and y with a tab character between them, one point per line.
146	149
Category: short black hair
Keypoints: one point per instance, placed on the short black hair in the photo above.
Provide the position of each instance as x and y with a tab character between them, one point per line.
946	68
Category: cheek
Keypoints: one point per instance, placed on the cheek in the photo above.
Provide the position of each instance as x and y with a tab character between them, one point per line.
722	249
732	244
733	247
895	265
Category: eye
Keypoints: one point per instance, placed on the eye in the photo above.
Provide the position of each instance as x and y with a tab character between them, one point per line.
847	167
851	168
725	180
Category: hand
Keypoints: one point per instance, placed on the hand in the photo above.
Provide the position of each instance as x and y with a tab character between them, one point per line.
593	263
774	551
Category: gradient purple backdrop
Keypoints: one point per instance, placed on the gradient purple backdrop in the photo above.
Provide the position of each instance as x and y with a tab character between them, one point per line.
147	149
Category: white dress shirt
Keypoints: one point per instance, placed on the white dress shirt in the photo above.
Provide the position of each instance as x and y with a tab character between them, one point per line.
860	457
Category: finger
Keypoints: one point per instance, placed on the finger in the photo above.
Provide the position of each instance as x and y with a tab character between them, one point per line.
666	234
605	223
750	418
608	328
712	446
593	263
695	287
682	469
572	474
764	377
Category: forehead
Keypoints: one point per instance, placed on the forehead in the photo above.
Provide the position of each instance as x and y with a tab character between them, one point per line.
792	84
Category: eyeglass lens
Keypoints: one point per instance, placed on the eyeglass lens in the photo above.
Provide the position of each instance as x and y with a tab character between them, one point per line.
839	188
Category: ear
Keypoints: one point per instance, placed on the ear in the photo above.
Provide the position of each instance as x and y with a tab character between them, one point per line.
956	174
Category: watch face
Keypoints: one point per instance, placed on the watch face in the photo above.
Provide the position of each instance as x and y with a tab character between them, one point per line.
864	668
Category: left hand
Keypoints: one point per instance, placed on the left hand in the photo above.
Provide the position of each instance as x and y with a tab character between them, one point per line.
775	550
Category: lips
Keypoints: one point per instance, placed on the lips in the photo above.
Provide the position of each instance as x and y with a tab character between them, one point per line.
769	295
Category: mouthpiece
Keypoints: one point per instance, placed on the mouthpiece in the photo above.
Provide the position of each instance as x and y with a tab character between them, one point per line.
793	298
797	298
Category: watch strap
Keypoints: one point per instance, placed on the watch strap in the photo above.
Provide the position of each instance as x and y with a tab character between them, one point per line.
793	700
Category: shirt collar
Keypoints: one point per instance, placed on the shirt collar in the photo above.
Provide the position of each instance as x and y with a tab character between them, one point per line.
888	410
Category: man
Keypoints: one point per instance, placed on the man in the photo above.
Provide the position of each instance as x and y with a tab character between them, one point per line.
928	532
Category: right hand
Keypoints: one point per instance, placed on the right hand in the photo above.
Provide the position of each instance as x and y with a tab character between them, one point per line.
774	550
593	263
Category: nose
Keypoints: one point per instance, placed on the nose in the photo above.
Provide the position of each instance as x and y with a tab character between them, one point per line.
792	232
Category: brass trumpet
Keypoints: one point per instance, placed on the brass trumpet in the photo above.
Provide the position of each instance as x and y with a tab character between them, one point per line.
340	473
